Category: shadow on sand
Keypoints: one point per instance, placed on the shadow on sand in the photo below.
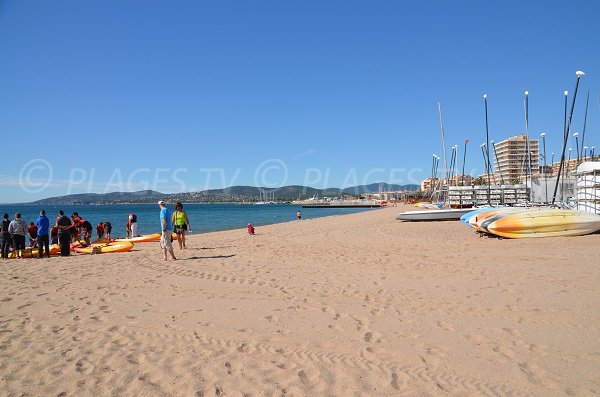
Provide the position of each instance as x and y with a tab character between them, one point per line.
209	257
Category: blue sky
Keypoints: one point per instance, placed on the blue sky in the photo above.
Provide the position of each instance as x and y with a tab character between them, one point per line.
186	95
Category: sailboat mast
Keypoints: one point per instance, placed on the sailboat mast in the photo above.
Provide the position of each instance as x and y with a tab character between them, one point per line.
443	144
579	75
587	102
528	169
487	145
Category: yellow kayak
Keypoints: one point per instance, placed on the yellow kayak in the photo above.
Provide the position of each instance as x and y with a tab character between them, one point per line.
147	238
121	246
33	252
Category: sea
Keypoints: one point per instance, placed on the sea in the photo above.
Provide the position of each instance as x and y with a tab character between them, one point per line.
203	217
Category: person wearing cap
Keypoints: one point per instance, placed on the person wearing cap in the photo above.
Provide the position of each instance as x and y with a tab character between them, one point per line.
167	234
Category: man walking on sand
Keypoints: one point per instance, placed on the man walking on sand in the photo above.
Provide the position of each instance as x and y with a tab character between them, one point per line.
167	233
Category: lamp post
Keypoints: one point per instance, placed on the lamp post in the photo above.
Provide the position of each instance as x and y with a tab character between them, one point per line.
584	155
592	153
543	135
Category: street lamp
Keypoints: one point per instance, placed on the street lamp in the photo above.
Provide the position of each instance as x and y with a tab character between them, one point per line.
585	148
569	161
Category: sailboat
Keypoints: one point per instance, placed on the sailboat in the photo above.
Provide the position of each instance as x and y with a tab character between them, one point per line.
441	214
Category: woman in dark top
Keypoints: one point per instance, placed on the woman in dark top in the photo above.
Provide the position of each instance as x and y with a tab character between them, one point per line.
5	236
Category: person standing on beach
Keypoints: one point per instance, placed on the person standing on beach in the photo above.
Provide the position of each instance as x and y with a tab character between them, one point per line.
180	223
18	230
43	238
299	215
5	236
64	225
167	234
133	225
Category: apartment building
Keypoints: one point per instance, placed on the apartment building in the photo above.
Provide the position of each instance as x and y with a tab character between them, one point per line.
511	158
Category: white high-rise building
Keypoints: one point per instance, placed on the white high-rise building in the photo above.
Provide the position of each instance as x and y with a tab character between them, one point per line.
511	164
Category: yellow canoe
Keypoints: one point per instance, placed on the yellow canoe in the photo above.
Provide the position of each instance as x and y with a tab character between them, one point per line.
147	238
121	246
33	252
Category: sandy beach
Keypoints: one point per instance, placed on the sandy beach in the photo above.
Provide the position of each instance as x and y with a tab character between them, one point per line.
360	304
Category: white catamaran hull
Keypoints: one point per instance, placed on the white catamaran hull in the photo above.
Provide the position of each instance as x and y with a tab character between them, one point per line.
433	215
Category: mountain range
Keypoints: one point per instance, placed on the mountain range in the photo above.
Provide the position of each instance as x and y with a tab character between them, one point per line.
230	194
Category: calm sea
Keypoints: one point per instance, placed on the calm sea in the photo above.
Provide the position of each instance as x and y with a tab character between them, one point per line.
203	217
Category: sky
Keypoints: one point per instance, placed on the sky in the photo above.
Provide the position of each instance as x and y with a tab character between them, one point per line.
102	96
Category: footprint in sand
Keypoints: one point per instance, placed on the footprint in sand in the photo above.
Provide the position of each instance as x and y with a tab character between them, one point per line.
303	377
446	326
396	382
535	374
505	351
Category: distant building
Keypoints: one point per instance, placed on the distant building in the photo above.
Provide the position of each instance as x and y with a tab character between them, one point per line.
427	183
464	180
511	159
461	180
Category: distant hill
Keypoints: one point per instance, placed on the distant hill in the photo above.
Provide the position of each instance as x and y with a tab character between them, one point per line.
95	198
230	194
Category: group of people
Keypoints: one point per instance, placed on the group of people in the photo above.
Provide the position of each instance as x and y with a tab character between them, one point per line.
78	230
64	232
13	235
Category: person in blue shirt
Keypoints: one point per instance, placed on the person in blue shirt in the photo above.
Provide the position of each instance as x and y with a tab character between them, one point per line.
43	238
167	233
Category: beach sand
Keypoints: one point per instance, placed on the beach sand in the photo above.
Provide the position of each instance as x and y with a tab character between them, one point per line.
359	304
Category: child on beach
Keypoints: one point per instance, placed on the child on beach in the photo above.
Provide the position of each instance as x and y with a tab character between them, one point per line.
32	231
250	229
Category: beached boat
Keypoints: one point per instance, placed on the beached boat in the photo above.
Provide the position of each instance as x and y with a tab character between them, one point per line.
476	221
33	252
147	238
433	215
122	246
545	223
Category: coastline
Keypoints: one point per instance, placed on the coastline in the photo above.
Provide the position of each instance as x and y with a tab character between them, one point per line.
359	303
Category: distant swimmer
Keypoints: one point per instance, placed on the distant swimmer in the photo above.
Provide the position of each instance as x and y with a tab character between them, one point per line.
299	215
